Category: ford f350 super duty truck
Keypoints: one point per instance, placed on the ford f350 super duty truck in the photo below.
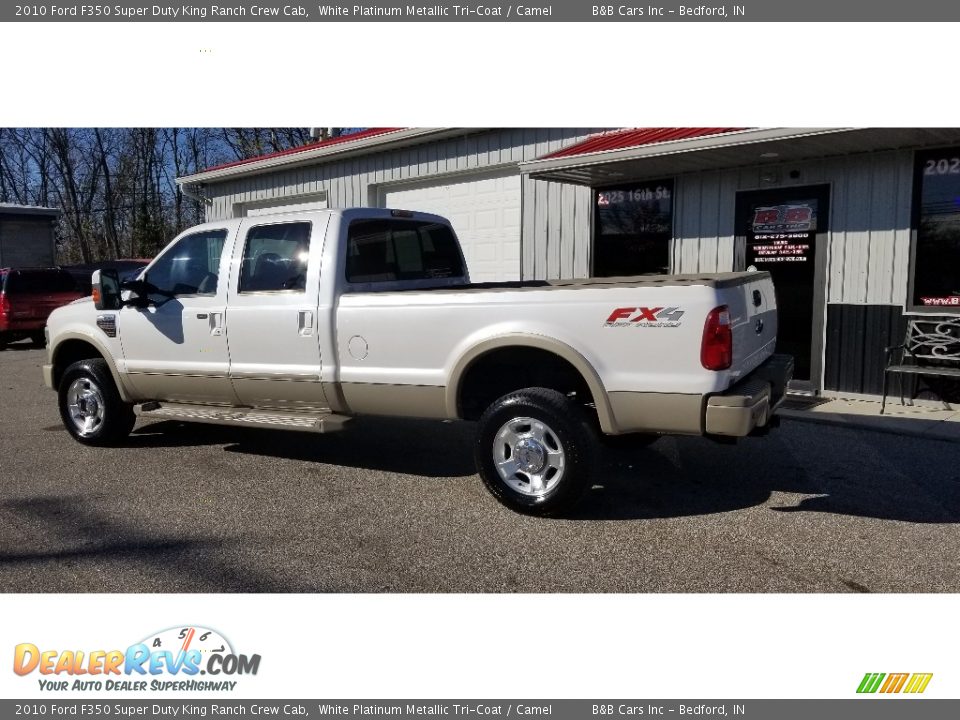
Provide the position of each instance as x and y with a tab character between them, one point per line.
300	321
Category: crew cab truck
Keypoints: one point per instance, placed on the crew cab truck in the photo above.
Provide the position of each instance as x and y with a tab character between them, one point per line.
301	321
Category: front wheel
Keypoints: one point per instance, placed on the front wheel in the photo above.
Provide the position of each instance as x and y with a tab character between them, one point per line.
534	451
90	406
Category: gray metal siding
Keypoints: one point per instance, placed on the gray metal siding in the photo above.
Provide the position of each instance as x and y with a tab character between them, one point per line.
857	336
871	196
26	242
556	219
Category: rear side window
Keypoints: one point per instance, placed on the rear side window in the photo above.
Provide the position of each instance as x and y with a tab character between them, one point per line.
39	282
386	250
275	258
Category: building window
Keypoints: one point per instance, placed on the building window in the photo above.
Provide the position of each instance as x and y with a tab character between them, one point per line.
633	225
936	252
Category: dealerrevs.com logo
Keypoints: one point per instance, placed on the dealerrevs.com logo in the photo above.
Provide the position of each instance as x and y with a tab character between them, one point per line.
892	683
172	659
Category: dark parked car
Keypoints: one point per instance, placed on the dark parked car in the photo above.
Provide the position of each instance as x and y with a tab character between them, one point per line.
28	296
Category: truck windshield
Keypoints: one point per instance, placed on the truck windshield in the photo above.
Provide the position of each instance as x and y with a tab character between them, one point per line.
385	250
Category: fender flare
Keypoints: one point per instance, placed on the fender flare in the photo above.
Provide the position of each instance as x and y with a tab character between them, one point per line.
539	342
64	337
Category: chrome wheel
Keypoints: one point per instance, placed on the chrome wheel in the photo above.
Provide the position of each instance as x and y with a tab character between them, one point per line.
85	406
528	456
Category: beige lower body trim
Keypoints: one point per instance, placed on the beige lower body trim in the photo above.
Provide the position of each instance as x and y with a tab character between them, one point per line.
183	388
419	401
305	394
48	376
657	412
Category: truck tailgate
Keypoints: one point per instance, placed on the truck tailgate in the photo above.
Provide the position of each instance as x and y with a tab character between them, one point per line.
753	315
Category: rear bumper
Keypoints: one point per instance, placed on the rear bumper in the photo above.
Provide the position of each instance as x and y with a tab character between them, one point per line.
750	404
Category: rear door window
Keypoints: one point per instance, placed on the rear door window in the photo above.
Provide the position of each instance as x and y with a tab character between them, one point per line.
387	250
275	258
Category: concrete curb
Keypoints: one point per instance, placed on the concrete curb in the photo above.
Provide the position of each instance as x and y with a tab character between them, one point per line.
918	428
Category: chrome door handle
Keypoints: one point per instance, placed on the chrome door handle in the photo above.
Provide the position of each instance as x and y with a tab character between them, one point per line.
305	323
216	324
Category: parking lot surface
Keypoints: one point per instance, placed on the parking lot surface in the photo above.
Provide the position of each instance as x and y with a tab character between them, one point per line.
395	506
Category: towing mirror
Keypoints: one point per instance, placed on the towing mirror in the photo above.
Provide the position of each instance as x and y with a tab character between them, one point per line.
106	290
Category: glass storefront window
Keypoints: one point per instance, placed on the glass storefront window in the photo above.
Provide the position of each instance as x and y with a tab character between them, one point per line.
936	260
633	225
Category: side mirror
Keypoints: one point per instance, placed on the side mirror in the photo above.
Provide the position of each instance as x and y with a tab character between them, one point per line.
106	290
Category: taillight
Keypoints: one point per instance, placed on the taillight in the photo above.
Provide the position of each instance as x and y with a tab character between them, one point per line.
716	351
4	304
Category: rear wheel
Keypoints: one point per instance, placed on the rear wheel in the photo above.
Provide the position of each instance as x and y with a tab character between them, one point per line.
90	406
535	450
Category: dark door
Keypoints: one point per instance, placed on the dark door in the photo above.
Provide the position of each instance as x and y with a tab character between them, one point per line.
783	232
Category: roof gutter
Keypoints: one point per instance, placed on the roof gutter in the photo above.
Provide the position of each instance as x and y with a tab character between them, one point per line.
671	147
396	138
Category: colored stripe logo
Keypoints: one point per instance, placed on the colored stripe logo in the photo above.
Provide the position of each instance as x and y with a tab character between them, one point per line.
913	683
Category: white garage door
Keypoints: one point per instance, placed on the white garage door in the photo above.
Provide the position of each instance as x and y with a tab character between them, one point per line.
485	213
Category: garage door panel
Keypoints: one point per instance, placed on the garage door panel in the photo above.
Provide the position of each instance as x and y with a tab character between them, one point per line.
485	213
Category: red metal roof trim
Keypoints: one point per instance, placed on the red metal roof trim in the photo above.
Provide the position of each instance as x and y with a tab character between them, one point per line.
634	137
343	139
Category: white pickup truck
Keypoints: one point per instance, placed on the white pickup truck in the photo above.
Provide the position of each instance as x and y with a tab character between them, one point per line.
300	321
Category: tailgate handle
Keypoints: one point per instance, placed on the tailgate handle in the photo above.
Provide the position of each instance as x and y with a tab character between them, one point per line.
757	298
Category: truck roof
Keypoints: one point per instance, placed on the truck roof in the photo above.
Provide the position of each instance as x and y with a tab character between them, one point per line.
348	213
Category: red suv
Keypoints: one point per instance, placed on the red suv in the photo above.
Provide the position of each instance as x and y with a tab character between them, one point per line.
28	296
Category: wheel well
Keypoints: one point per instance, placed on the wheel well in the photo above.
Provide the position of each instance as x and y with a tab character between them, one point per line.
505	370
69	352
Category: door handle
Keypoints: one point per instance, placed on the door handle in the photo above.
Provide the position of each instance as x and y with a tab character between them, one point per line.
216	324
305	323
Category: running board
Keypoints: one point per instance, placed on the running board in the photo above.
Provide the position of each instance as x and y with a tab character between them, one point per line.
319	421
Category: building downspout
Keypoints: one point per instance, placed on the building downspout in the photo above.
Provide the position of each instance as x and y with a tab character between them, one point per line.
196	195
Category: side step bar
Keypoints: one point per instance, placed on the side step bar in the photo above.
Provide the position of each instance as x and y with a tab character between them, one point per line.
319	421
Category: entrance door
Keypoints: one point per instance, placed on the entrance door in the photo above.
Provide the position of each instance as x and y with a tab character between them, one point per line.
784	232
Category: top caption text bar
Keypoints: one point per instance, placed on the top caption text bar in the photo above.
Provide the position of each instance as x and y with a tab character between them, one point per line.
560	11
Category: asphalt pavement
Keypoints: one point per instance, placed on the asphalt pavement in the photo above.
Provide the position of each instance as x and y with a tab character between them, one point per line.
395	506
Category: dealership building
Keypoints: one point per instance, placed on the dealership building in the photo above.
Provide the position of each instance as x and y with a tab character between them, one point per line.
860	227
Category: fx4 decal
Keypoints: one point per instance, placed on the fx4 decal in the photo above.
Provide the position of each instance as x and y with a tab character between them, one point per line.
645	317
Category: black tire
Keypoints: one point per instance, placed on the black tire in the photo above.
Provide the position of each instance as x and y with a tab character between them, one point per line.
568	441
3	341
98	416
38	338
628	441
